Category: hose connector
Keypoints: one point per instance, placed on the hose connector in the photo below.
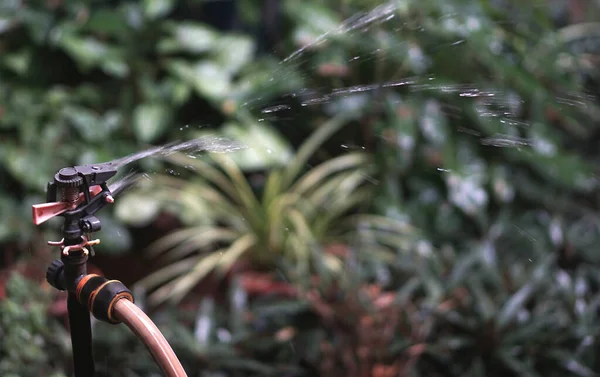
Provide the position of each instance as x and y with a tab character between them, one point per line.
99	296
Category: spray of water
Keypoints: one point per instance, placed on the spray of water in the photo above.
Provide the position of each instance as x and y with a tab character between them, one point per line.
125	182
210	144
381	13
500	104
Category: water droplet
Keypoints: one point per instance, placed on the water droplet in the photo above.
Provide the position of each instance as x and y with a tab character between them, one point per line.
505	141
273	109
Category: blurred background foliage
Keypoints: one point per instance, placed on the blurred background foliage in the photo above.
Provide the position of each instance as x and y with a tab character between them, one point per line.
416	195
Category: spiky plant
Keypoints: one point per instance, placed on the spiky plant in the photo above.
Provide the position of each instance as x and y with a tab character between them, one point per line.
298	214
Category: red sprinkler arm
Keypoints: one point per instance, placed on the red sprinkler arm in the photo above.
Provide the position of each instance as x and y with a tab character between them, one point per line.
45	211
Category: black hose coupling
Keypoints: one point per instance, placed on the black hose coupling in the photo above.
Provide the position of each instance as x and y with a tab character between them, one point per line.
99	296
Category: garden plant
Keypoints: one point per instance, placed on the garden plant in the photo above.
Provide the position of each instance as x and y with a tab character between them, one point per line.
416	194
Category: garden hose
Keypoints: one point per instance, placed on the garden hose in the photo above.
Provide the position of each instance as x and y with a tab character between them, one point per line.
146	330
111	301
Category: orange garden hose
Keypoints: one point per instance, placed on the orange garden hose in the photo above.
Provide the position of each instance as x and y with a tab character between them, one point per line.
153	339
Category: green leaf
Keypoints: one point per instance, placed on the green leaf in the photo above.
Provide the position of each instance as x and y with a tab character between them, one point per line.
568	170
191	37
37	22
485	304
309	147
84	50
18	62
519	367
5	24
108	22
571	363
209	79
316	16
514	304
29	166
150	121
137	210
87	123
90	52
265	147
433	123
234	52
154	9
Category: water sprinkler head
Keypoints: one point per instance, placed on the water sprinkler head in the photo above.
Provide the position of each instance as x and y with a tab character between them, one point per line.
75	188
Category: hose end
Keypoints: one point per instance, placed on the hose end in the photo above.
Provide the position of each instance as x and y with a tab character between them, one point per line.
99	296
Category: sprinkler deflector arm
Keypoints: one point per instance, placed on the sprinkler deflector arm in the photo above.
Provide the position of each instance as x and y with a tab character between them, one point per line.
83	191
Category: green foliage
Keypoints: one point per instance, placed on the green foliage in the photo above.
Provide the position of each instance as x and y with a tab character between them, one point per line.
485	149
32	344
476	120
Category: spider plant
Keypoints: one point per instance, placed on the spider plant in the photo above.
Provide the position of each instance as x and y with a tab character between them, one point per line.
297	214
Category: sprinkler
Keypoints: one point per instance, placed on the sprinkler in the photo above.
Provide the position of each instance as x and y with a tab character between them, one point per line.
76	194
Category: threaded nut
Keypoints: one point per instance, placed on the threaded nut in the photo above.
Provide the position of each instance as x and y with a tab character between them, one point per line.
68	178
